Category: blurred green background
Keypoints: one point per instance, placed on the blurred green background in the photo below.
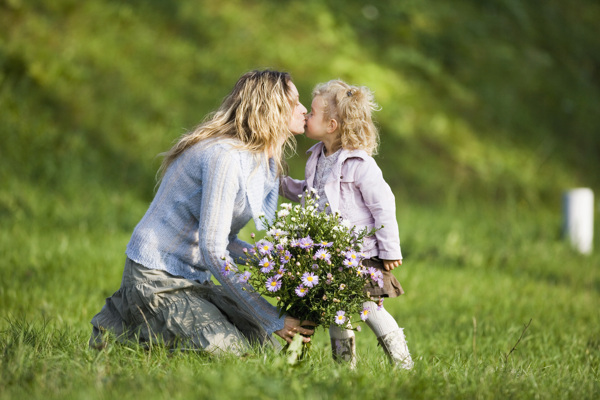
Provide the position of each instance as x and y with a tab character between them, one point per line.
485	105
489	100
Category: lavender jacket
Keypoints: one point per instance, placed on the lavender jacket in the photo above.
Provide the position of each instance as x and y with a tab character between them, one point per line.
206	197
357	190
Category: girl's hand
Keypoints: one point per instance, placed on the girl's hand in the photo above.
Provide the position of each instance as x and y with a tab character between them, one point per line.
294	325
389	265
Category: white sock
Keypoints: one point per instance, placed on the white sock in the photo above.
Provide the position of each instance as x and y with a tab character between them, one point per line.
379	320
337	332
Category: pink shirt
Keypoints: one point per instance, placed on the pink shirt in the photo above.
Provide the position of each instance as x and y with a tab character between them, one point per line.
357	190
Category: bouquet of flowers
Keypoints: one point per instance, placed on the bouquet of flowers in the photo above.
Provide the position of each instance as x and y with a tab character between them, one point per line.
310	262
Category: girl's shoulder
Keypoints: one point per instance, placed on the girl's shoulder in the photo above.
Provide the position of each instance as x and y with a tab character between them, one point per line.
359	163
356	155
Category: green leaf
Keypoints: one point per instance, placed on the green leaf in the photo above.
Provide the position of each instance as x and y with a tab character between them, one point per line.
295	350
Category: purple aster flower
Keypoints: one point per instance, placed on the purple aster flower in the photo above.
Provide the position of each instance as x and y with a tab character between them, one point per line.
373	273
322	254
380	304
264	247
306	243
227	268
353	257
301	291
273	284
340	317
276	233
266	265
325	243
364	314
378	276
281	271
310	279
245	277
286	257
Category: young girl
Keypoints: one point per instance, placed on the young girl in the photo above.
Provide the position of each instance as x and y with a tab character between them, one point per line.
348	180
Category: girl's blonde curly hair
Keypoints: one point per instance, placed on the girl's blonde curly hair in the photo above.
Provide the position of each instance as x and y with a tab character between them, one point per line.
351	106
256	113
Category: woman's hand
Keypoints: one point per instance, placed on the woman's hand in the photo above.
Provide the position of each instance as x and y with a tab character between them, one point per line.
292	326
389	265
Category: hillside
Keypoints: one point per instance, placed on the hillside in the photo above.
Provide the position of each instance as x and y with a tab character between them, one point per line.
492	101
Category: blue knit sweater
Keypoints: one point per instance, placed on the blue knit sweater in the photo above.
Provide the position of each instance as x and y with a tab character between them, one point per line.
208	194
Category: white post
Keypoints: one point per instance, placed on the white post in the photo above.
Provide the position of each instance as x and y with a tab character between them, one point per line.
578	209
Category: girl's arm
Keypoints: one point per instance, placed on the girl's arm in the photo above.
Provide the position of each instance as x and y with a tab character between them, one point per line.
291	188
380	200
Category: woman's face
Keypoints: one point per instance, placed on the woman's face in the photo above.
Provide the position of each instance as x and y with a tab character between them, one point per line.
296	124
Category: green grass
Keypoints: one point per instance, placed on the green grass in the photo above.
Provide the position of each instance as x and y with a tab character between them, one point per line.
472	287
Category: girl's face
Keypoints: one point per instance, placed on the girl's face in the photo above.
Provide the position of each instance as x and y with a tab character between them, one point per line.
316	125
296	124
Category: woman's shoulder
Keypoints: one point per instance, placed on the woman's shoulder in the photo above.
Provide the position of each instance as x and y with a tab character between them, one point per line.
218	148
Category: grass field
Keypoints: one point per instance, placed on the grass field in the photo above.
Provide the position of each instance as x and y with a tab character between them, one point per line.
497	306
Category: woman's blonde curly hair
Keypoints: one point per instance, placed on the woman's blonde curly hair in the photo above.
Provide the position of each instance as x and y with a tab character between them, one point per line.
351	106
256	113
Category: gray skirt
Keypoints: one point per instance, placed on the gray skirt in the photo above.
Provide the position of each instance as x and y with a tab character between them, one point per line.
153	306
391	285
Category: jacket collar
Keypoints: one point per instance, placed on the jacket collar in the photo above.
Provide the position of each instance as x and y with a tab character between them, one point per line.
344	155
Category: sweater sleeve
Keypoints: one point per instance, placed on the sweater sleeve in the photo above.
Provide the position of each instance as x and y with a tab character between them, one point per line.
221	184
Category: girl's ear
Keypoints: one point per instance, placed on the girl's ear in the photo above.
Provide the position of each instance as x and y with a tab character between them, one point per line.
332	126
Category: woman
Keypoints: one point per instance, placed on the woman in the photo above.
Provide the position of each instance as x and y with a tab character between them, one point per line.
213	180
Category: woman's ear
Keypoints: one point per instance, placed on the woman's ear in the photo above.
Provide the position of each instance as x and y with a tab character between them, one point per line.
332	126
